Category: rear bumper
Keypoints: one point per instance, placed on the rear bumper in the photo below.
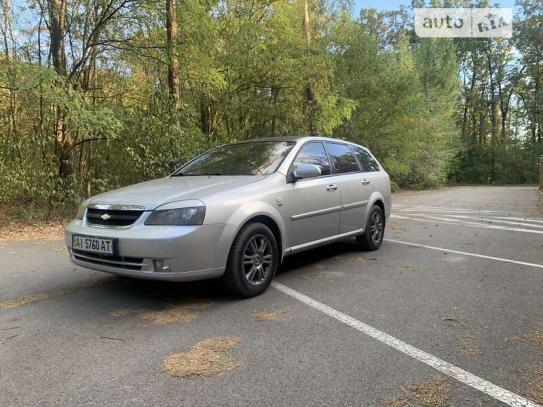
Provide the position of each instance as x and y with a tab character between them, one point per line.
188	252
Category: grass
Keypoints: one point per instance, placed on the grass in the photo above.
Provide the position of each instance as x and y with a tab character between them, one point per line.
535	338
175	313
205	359
468	347
533	380
271	315
433	393
28	299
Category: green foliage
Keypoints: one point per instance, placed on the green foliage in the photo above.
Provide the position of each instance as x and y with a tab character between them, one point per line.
405	107
245	69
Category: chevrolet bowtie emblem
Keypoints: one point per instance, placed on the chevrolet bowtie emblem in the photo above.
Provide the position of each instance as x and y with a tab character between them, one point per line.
105	216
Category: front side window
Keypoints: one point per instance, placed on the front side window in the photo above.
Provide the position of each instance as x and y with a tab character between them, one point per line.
313	153
252	158
342	157
367	162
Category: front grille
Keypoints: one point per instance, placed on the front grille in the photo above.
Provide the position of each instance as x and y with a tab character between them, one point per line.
127	263
112	217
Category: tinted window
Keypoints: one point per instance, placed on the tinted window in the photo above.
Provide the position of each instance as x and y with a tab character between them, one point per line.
313	153
366	160
253	158
342	157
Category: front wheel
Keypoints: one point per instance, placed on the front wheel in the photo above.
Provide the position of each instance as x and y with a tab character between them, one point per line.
375	230
252	261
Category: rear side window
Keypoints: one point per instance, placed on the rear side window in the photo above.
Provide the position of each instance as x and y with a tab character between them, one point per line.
313	153
367	162
342	157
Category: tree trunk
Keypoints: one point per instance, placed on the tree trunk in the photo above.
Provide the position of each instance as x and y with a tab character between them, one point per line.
310	97
7	32
173	62
57	32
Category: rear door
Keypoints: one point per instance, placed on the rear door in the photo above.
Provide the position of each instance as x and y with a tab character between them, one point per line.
373	177
315	202
352	184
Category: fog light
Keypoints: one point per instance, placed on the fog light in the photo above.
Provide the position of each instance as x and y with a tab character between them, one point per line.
161	266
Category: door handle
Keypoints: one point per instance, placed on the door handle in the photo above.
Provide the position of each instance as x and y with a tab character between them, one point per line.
366	182
331	187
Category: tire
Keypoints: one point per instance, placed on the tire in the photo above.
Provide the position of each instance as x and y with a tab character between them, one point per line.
252	261
375	230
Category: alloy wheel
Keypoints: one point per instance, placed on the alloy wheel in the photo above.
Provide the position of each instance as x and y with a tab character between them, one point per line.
376	227
257	259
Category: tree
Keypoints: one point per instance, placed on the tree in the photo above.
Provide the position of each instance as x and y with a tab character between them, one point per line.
173	61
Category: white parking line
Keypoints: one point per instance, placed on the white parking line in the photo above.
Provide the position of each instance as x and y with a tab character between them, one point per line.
457	373
482	256
433	219
537	220
495	220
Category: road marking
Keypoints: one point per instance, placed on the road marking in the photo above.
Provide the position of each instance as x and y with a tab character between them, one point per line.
433	219
417	208
481	256
492	219
537	220
447	368
458	218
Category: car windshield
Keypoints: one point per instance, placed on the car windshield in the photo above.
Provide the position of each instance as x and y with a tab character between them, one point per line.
251	158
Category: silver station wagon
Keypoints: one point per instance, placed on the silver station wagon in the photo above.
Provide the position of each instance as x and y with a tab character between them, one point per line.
235	212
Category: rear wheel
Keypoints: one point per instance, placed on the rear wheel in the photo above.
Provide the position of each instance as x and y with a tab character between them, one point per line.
252	261
375	230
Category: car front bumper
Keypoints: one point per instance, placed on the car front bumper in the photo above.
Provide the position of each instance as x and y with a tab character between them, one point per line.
169	253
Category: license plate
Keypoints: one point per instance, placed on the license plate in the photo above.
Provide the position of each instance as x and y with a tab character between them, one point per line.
94	244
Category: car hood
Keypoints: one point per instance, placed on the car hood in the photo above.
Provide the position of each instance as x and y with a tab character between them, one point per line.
152	194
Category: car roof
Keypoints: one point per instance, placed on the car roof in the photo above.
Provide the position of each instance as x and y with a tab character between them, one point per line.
297	139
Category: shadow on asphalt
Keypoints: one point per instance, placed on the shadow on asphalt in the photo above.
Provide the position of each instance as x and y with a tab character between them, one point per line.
212	289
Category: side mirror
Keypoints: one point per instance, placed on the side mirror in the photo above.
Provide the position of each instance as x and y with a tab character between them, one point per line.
306	171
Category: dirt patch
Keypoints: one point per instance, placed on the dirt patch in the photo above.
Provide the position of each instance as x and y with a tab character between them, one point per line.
28	299
468	347
271	315
175	313
207	358
434	393
45	231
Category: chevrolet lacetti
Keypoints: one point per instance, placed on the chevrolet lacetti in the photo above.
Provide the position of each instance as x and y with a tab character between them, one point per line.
235	212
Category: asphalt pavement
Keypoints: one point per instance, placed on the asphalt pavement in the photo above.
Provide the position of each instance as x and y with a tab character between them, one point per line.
447	313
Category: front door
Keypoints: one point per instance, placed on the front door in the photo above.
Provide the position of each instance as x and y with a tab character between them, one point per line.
315	202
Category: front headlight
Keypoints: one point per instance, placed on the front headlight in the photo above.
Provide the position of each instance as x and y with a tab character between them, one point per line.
81	211
179	217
